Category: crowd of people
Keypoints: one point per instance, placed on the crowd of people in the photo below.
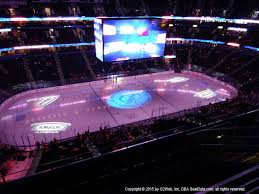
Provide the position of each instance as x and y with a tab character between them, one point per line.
106	139
234	66
55	150
6	153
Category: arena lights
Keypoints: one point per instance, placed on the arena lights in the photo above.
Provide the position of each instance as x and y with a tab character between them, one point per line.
245	21
73	44
252	48
50	127
154	55
122	59
211	19
31	47
237	29
205	19
5	30
175	39
205	41
46	46
233	44
6	49
83	18
195	40
38	19
119	59
169	56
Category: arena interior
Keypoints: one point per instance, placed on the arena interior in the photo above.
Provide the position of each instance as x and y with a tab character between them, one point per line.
121	96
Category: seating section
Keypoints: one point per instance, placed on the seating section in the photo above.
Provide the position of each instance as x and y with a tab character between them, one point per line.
215	141
111	139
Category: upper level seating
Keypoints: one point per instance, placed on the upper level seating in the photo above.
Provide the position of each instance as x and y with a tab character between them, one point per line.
8	40
35	36
12	68
43	67
155	7
66	36
74	66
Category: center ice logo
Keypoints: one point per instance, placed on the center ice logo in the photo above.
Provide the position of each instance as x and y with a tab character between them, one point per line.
127	99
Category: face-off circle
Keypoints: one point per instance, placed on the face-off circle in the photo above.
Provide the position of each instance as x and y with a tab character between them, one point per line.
128	99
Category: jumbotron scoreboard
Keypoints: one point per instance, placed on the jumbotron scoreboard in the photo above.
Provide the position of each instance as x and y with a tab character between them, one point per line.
118	39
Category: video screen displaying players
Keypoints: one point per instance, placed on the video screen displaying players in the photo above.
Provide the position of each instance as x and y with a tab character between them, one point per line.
126	39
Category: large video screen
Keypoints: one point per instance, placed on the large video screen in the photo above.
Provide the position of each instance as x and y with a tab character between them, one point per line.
98	38
126	39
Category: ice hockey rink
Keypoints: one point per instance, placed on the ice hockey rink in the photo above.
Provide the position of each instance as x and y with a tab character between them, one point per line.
64	111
